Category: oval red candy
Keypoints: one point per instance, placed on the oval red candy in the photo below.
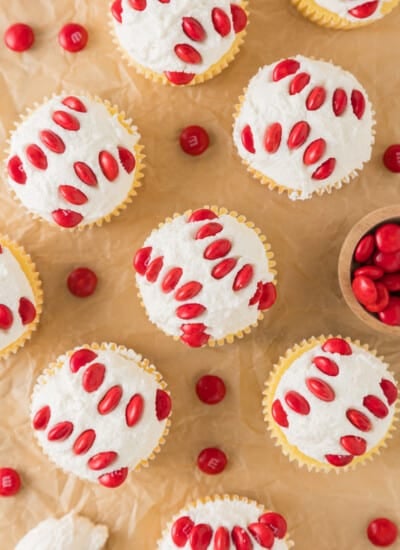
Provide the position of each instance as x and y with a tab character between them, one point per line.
193	29
248	139
134	410
241	539
196	340
239	17
210	389
325	170
339	101
268	296
84	442
188	290
279	414
275	522
298	83
163	405
389	262
391	314
19	37
364	290
179	78
72	194
208	230
80	358
262	534
10	482
321	389
110	401
171	279
364	249
109	166
6	317
391	158
85	173
326	365
202	214
113	479
372	271
66	120
297	402
376	406
36	157
52	141
243	278
391	281
359	420
190	311
298	134
141	259
61	431
102	460
358	103
138	5
222	539
314	151
73	37
382	300
387	237
16	170
74	103
200	537
188	54
42	418
212	461
273	137
82	282
339	460
26	311
153	269
222	269
390	390
364	10
93	377
217	249
316	98
337	345
285	68
382	532
194	140
127	159
221	21
354	445
180	531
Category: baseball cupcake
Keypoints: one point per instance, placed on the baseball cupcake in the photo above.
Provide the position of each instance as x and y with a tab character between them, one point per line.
21	297
179	43
330	403
344	14
71	532
294	124
213	522
74	161
205	277
100	411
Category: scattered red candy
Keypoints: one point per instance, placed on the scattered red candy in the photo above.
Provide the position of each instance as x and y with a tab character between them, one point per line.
82	282
212	461
391	158
73	37
194	140
19	37
382	532
210	389
10	482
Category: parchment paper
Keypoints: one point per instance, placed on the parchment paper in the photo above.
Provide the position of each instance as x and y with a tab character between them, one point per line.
324	512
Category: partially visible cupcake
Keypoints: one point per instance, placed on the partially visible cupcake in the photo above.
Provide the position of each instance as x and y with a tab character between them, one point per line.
214	521
181	42
21	297
100	411
330	403
74	161
344	14
71	532
294	124
206	276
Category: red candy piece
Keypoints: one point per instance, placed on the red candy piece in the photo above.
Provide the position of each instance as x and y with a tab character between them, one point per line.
85	173
354	445
243	278
80	358
6	317
113	479
210	389
212	461
221	21
391	315
179	78
102	460
61	431
364	249
202	214
10	482
325	170
390	390
127	159
200	537
239	17
297	402
268	296
337	345
16	170
391	158
222	539
387	237
193	328
52	141
298	83
248	139
93	377
339	101
390	262
371	271
223	268
180	531
217	249
73	37
138	5
298	135
36	157
339	460
163	405
241	539
382	300
66	120
359	420
364	10
275	522
153	269
375	406
141	259
109	166
190	311
316	98
19	37
208	230
325	365
391	282
171	279
314	152
273	137
193	29
134	410
74	103
188	291
110	401
84	442
364	290
279	414
196	340
72	194
382	532
257	295
42	418
26	311
82	282
262	534
194	140
284	69
358	103
321	389
116	10
188	54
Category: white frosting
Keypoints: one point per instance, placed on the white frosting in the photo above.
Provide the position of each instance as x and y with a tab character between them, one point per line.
343	7
71	532
14	285
319	432
68	401
221	513
227	311
267	102
150	36
99	131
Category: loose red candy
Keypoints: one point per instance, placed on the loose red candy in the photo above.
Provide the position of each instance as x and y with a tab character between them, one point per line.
82	282
364	249
391	314
275	522
194	140
10	482
382	300
212	461
279	414
163	405
372	271
73	37
113	479
210	389
200	537
6	317
382	532
364	290
387	237
19	37
337	345
391	158
180	531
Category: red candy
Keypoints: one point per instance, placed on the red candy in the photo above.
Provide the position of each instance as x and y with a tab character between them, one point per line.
268	296
339	101
19	37
42	418
209	230
285	68
325	170
102	460
382	532
391	314
110	401
364	10
84	442
382	300
364	249
222	539
391	281
163	405
390	262
390	390
337	345
200	537
127	159
190	311
248	139
52	141
171	279
193	29
195	340
85	173
26	311
273	137
364	290
179	78
10	482
358	103
325	365
391	158
297	402
36	157
275	522
134	410
141	259
320	389
354	445
339	460
262	534
279	414
371	271
108	165
93	377
194	140
239	17
114	479
73	37
66	120
375	406
6	317
298	135
82	282
74	103
221	21
387	237
217	249
153	269
16	170
61	431
180	531
359	420
212	461
210	389
187	291
223	268
188	54
314	151
202	214
243	278
298	83
138	5
241	539
80	358
72	195
316	98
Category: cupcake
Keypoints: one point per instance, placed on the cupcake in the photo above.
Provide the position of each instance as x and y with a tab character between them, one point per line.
21	297
205	277
100	411
344	14
214	521
74	161
71	532
330	403
294	124
181	42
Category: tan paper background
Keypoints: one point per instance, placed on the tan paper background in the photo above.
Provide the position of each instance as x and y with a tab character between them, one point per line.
325	512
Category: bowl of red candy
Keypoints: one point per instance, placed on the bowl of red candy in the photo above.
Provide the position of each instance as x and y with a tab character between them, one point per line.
369	270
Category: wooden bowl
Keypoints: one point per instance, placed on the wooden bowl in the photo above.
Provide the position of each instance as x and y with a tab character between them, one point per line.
347	264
